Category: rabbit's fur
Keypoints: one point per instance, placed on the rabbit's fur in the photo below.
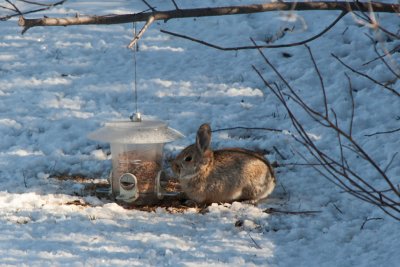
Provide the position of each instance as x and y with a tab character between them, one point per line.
225	175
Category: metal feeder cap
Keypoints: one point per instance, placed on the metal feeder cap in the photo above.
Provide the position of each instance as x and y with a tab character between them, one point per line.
136	132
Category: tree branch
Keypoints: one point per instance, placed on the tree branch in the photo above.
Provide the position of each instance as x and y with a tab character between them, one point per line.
247	128
176	6
337	169
15	7
390	162
366	76
384	132
207	12
321	80
367	220
42	4
305	212
21	13
352	104
149	6
394	50
139	35
258	46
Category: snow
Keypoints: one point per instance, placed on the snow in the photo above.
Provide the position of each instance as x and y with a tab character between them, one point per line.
59	84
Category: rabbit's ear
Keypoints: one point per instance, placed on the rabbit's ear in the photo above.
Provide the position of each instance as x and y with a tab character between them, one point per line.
203	138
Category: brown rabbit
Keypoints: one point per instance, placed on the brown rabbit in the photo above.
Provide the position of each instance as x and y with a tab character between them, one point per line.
225	175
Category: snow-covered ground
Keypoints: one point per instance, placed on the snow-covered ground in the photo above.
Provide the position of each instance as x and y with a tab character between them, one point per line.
59	84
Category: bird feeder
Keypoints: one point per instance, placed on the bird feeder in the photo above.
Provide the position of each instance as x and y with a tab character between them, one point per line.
137	158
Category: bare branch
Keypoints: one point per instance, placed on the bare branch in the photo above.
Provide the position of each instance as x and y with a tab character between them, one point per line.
15	7
305	212
295	96
258	46
342	159
366	76
384	132
247	128
395	73
394	50
337	171
21	13
141	32
255	243
279	153
149	6
7	8
207	12
367	220
391	161
24	175
380	191
176	6
352	105
321	80
299	164
36	3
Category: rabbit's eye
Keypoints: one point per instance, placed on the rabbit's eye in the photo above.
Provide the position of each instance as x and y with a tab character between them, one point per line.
188	158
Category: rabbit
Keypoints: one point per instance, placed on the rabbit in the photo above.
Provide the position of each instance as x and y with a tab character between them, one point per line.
225	175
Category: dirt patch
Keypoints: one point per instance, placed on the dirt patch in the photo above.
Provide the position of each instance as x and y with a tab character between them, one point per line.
101	189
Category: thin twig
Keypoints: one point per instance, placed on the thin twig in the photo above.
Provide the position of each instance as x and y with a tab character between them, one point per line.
279	153
391	161
343	6
257	46
337	172
361	194
15	7
337	208
10	8
384	132
394	50
47	7
353	149
247	128
25	183
369	219
176	6
42	4
309	144
323	159
393	35
305	212
371	192
301	164
141	32
397	74
321	80
7	8
340	144
335	178
373	41
149	6
366	76
279	93
255	243
352	105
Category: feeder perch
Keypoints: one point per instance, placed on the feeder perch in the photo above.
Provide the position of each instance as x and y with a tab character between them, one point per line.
137	158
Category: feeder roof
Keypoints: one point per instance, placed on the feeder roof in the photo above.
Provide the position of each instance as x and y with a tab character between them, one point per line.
143	132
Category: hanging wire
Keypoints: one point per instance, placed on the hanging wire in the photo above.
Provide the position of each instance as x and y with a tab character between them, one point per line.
136	116
134	62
